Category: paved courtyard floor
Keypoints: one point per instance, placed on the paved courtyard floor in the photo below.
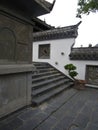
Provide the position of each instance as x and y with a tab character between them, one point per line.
72	110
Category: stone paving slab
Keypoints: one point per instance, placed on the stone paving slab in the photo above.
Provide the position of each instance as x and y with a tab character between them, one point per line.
81	120
47	124
91	127
73	110
29	114
34	122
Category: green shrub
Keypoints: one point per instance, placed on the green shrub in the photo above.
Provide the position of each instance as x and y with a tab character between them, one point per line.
71	70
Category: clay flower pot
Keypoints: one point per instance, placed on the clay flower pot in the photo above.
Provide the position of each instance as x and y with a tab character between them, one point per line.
79	84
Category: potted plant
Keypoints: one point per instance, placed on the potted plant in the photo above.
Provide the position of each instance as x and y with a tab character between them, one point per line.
79	84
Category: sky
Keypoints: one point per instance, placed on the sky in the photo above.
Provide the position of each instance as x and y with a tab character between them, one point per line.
64	14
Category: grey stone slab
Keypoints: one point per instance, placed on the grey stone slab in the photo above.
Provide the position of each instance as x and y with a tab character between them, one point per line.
94	119
69	109
5	127
41	116
64	124
95	112
50	109
96	104
91	103
87	110
13	124
29	114
29	125
81	120
34	122
61	112
71	113
57	128
78	106
47	124
91	127
55	104
74	127
82	113
12	116
62	98
67	95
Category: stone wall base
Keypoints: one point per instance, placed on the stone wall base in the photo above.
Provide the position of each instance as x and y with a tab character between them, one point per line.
15	87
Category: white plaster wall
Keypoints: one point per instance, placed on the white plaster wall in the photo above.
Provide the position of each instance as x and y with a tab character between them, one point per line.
81	67
58	46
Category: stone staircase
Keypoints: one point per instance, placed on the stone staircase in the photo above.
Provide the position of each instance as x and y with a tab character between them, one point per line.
47	82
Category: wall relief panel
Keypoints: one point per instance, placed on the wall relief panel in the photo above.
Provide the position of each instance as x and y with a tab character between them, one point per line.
7	44
15	40
22	52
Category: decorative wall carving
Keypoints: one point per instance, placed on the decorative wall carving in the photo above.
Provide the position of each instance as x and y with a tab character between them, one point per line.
22	51
7	44
44	51
15	40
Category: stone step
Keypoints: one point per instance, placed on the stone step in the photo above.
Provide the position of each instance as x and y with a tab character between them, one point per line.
47	82
45	77
42	83
35	75
45	70
43	67
46	96
38	64
49	87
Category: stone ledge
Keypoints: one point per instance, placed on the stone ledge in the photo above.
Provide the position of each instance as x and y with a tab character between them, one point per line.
92	86
19	68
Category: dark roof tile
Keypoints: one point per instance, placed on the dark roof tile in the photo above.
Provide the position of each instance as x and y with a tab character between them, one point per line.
87	53
57	33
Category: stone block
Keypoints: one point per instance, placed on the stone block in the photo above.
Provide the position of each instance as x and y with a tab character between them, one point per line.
15	89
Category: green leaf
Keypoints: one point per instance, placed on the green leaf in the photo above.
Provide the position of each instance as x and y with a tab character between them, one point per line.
86	6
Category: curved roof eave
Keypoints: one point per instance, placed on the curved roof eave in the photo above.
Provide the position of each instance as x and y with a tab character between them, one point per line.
57	33
46	5
27	8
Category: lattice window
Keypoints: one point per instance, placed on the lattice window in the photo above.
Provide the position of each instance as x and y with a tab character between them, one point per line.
92	74
44	51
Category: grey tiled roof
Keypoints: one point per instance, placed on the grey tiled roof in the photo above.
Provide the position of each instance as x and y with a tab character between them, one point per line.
57	33
87	53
